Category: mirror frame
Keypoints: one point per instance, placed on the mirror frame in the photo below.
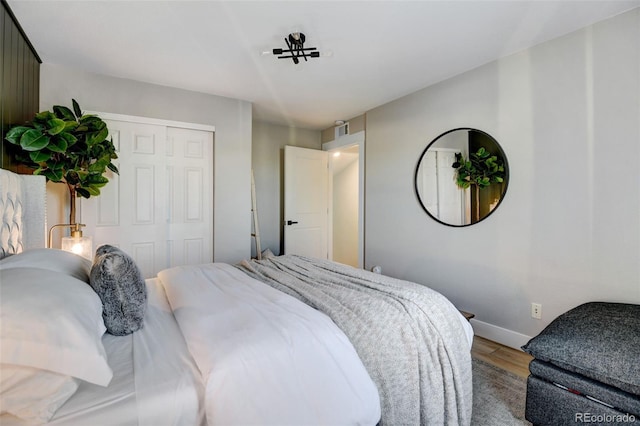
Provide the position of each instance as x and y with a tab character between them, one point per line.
506	179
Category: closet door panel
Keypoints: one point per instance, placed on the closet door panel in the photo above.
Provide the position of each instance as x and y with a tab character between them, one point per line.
130	212
190	223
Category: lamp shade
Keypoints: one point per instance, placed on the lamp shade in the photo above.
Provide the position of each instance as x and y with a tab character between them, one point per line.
82	246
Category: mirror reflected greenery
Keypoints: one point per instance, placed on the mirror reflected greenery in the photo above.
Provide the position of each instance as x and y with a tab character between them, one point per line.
461	177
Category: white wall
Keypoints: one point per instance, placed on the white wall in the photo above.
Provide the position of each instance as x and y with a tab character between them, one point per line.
232	145
268	167
567	114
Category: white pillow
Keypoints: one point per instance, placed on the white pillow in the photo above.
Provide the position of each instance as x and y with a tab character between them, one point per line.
52	260
52	321
32	394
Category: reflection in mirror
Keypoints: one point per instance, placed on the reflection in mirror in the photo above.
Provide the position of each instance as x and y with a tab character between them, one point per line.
461	177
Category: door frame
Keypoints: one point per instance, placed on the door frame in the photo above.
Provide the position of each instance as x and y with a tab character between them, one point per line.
156	121
347	141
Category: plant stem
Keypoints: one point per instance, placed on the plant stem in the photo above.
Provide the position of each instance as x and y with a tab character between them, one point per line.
477	202
72	210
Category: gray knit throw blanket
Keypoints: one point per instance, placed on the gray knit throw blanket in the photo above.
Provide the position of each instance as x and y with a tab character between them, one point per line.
408	336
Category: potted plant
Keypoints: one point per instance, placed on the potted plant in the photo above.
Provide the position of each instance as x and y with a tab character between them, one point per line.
478	172
66	146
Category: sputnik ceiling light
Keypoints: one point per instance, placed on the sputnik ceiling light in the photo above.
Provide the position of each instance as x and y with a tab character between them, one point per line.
296	49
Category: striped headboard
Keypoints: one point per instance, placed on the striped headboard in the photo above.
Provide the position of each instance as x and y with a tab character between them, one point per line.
23	209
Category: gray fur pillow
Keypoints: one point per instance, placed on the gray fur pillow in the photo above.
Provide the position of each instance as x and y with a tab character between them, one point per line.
119	283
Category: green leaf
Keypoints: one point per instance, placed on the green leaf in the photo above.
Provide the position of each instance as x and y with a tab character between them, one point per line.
92	190
99	166
482	153
57	144
76	108
95	179
72	177
56	125
33	140
54	164
39	156
113	168
89	118
83	192
98	137
70	125
15	134
44	116
68	138
52	175
64	113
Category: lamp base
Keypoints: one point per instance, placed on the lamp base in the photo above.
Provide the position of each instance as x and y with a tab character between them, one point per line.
82	246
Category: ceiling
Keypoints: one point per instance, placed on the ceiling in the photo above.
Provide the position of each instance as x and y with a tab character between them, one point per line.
372	51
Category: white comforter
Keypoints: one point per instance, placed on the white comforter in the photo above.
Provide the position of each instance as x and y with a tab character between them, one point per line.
265	357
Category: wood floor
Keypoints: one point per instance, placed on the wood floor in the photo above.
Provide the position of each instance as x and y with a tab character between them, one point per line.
512	360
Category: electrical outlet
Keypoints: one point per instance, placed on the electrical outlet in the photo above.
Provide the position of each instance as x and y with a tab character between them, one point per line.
536	311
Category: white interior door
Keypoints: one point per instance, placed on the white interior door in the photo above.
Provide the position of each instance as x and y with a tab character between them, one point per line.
450	197
306	202
436	183
159	209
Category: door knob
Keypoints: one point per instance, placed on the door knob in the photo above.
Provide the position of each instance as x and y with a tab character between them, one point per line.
291	222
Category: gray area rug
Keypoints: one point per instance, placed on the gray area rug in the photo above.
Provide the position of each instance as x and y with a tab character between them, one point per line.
498	396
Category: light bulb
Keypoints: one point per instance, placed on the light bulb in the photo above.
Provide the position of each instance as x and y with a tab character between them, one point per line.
77	248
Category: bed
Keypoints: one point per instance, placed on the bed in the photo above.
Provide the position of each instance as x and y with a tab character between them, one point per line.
285	340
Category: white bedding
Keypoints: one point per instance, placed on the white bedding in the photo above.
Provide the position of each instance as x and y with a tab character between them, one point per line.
155	382
408	336
221	348
251	343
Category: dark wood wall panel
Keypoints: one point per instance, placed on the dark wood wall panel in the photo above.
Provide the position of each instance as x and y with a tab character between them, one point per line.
20	79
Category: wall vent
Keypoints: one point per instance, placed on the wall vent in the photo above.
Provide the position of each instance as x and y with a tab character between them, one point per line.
342	130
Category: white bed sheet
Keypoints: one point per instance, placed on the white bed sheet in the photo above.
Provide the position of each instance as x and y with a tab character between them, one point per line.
155	382
468	330
266	357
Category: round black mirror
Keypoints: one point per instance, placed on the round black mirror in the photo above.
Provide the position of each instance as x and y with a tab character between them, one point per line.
461	177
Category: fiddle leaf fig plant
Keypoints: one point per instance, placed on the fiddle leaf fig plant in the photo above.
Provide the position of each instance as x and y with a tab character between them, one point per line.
66	146
481	169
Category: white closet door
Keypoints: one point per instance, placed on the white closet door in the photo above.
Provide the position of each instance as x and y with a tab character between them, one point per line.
190	196
159	209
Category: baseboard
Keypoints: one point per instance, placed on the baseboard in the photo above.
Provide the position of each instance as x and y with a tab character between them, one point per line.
498	334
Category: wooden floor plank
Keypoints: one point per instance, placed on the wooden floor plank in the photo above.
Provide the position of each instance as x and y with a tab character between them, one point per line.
504	357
